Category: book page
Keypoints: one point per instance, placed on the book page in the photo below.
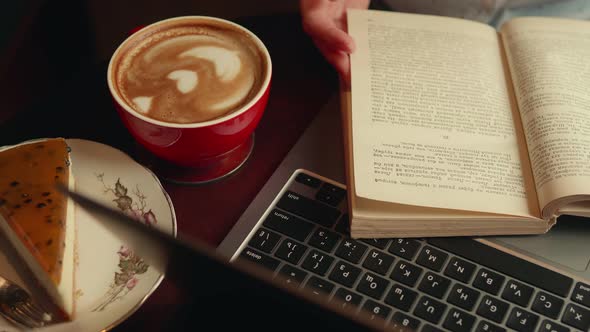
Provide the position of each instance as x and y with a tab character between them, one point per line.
434	122
549	60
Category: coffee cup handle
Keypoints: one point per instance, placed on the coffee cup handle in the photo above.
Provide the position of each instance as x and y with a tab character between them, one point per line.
134	30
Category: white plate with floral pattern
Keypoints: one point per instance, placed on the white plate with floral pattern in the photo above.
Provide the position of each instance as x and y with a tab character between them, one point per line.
112	282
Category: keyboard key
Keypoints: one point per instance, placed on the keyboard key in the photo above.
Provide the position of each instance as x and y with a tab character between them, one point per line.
317	262
403	323
319	287
291	251
547	305
430	309
324	239
517	293
288	224
463	296
459	321
333	190
328	197
375	309
291	275
343	225
348	298
260	258
492	308
351	250
488	281
549	326
434	284
309	209
401	297
484	326
378	262
511	265
406	273
405	248
345	274
460	270
308	180
372	285
576	316
379	243
431	258
581	294
264	240
522	320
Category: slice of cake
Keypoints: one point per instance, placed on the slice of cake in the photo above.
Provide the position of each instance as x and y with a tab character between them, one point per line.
37	219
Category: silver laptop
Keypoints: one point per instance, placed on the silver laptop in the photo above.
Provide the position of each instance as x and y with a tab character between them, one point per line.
297	228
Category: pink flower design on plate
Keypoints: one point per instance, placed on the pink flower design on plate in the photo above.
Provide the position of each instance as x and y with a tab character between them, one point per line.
124	252
149	218
131	283
130	265
135	214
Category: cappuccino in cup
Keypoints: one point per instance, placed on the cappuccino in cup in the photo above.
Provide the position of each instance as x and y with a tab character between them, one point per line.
189	71
191	90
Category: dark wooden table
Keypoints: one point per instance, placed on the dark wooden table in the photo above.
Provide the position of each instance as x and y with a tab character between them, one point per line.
80	107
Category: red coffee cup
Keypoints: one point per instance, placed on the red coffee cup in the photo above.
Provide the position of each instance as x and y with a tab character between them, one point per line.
201	151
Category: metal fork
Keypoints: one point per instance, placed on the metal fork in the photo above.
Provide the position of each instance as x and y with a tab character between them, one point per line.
18	307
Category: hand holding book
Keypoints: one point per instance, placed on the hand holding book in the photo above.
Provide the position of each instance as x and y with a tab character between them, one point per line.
325	22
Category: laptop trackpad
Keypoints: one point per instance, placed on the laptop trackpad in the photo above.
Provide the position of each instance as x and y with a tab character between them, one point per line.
565	245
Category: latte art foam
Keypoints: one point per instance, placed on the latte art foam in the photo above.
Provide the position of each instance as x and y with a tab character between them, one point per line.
190	74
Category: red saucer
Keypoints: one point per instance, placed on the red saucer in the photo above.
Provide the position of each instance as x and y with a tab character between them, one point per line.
214	169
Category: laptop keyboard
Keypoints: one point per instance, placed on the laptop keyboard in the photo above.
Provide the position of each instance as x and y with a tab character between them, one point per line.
452	284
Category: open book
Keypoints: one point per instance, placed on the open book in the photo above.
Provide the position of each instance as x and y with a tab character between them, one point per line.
454	128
